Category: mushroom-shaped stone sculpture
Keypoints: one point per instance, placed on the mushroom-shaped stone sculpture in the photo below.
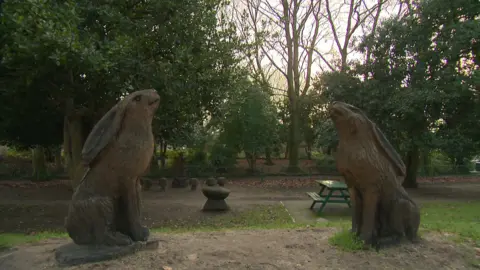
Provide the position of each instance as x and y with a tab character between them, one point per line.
216	196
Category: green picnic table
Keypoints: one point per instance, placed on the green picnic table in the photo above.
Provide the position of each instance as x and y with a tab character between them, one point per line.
330	186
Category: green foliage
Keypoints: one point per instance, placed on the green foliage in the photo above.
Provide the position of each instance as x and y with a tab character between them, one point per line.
346	241
37	37
172	154
325	163
196	157
19	153
223	156
195	65
89	53
197	162
437	163
249	122
327	138
421	70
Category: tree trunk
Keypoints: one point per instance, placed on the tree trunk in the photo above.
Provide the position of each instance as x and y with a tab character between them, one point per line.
460	166
293	137
308	151
268	157
329	150
412	168
58	160
154	161
287	146
39	164
73	140
427	166
251	160
163	154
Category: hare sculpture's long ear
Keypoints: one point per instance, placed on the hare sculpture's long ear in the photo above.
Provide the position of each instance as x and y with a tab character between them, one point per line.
103	132
388	150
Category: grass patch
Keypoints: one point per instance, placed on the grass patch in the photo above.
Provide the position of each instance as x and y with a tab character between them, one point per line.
459	218
346	241
259	217
8	240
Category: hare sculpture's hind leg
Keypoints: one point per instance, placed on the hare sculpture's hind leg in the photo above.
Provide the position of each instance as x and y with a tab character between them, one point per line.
91	222
127	214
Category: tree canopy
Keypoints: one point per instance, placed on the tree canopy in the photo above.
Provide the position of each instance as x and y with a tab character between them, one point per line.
421	82
243	75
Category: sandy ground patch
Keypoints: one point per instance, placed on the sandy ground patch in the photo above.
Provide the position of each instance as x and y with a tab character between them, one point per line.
254	249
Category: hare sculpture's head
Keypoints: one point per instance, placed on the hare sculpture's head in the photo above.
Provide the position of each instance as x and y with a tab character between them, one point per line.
353	126
140	104
135	111
349	120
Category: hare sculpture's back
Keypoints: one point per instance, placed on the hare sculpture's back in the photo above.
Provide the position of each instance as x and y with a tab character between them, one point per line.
105	207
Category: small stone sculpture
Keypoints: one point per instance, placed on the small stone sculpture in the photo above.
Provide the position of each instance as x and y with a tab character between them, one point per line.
146	183
193	183
179	182
162	182
211	182
374	173
105	207
221	181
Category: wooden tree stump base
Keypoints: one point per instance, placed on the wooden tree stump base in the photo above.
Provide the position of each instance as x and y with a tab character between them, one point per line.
72	254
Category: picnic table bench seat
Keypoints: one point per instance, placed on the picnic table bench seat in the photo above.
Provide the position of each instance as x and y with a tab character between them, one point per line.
331	186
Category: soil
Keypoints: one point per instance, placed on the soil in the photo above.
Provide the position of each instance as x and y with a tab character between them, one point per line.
278	249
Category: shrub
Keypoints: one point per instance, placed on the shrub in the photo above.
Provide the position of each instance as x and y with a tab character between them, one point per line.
438	163
172	154
325	163
222	156
197	165
15	167
196	157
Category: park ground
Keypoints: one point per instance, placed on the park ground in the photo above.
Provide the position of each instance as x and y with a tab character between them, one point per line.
269	226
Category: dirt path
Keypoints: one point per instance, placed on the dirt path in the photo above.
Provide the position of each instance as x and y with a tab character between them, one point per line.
273	249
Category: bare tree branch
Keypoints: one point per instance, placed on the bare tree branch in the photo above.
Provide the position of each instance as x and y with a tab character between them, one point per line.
332	68
332	25
374	27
